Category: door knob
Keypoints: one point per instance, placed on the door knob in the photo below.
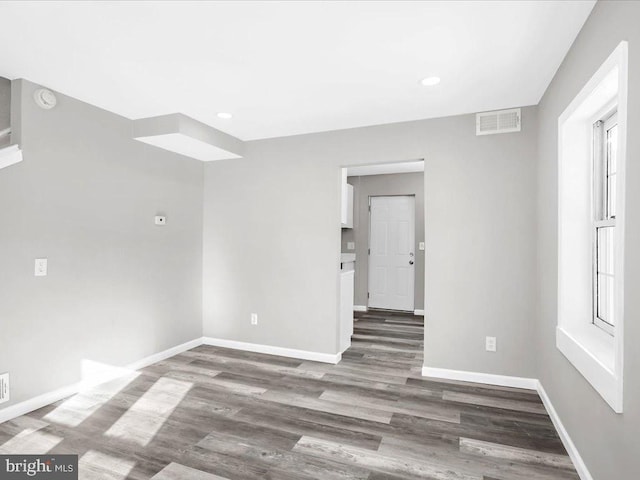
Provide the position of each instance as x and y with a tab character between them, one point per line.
410	262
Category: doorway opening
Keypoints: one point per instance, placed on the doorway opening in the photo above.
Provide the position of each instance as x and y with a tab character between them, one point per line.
382	251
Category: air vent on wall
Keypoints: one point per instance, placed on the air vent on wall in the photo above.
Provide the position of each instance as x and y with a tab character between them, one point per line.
501	121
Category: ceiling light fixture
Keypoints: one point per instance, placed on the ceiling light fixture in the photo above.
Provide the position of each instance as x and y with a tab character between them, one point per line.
430	81
224	115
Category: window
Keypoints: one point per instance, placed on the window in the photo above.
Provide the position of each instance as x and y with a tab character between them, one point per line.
591	222
605	140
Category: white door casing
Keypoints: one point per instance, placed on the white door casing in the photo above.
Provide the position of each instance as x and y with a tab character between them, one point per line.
391	252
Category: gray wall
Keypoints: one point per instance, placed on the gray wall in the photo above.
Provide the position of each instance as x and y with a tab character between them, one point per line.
119	288
375	185
609	443
5	107
272	238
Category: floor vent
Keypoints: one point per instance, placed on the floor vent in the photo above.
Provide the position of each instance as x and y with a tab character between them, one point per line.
501	121
4	387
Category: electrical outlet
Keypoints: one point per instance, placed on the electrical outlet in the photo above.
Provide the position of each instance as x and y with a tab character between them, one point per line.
41	267
490	344
351	245
160	220
4	387
254	319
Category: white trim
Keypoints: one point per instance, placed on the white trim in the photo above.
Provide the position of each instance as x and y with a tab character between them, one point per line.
599	361
170	352
418	312
360	308
10	155
577	460
346	348
477	377
271	350
27	406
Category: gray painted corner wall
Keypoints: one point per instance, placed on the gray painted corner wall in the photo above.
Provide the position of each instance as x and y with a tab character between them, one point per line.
608	442
272	238
480	249
5	107
119	288
376	185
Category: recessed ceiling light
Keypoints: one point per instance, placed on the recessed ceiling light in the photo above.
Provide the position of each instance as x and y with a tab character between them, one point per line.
430	81
224	115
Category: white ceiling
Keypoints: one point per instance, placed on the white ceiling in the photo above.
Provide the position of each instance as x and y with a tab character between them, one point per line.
284	68
386	168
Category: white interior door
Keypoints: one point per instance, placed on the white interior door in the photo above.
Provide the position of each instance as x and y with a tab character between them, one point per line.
391	252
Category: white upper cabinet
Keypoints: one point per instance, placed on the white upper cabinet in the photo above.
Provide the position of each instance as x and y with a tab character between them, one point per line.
346	217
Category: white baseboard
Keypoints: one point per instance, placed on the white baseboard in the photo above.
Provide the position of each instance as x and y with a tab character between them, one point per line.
418	312
477	377
577	460
48	398
40	401
170	352
270	350
360	308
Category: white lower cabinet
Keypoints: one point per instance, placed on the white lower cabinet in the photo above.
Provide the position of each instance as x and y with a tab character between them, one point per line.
347	278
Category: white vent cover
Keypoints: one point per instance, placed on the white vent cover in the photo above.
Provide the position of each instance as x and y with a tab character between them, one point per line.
500	121
4	387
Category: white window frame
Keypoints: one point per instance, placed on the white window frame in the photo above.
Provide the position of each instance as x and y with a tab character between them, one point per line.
602	217
597	354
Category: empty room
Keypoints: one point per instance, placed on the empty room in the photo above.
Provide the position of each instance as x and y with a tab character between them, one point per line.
300	240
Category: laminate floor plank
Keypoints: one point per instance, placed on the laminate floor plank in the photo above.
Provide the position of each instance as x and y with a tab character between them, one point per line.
269	456
498	402
213	413
475	464
269	417
404	467
175	471
496	450
474	388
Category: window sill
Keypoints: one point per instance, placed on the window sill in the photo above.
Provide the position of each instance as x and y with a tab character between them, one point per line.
592	352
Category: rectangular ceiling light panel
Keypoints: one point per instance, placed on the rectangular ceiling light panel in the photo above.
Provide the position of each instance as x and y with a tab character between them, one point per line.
188	146
186	136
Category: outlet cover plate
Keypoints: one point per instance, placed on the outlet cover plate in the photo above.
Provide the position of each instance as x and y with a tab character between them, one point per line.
41	266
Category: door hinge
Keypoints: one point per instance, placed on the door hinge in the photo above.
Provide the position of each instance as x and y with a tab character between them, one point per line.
368	295
368	251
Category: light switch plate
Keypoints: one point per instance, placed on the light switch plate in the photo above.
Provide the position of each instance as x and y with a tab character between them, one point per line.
41	267
4	387
351	245
254	319
421	246
490	344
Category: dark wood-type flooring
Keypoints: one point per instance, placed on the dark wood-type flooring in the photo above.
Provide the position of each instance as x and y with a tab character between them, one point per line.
214	413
